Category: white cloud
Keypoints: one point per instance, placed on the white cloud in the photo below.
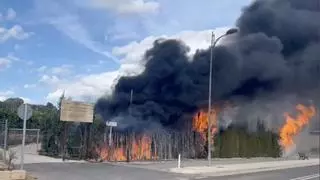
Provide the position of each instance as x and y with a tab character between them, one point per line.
51	76
4	63
42	69
138	6
49	80
15	32
94	86
125	6
134	51
88	86
26	100
29	86
69	24
62	70
122	36
11	14
58	71
14	58
5	95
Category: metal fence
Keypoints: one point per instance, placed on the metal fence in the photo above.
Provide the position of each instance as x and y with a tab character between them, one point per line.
15	136
3	140
11	138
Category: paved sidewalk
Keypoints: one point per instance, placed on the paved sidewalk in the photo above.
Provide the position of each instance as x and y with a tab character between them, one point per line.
166	165
230	169
31	156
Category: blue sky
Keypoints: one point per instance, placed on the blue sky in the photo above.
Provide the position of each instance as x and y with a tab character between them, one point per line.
83	46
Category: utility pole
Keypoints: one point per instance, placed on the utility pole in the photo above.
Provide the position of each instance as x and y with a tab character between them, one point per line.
209	100
214	41
131	96
110	136
24	134
128	140
5	141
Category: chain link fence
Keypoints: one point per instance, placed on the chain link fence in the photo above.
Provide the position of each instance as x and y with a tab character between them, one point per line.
15	136
11	139
3	140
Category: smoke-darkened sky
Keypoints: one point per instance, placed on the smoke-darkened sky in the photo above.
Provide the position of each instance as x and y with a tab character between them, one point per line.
276	53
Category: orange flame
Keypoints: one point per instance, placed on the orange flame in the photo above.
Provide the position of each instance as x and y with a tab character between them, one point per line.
200	123
140	150
110	154
293	126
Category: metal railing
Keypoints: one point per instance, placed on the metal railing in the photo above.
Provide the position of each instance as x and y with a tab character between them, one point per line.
12	137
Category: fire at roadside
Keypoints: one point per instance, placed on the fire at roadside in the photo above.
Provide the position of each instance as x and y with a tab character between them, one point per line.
140	149
268	70
163	145
294	126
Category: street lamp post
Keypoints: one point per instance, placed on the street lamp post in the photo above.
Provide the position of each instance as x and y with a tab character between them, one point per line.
213	45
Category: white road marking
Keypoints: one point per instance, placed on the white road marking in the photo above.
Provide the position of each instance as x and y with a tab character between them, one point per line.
313	176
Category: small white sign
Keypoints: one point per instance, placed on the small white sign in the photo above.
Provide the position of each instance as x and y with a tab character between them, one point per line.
111	123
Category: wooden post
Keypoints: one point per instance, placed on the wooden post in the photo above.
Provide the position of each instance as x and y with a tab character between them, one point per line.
128	144
65	137
170	146
63	140
87	140
155	147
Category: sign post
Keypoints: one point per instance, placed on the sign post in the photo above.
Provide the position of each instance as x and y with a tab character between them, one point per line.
25	113
5	141
111	124
74	111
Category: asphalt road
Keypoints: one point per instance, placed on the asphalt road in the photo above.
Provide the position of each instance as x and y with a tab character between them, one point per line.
302	173
87	171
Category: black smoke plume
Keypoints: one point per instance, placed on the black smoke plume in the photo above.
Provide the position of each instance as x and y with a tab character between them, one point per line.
274	57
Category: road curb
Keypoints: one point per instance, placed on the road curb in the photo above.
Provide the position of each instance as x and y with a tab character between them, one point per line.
257	170
225	172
